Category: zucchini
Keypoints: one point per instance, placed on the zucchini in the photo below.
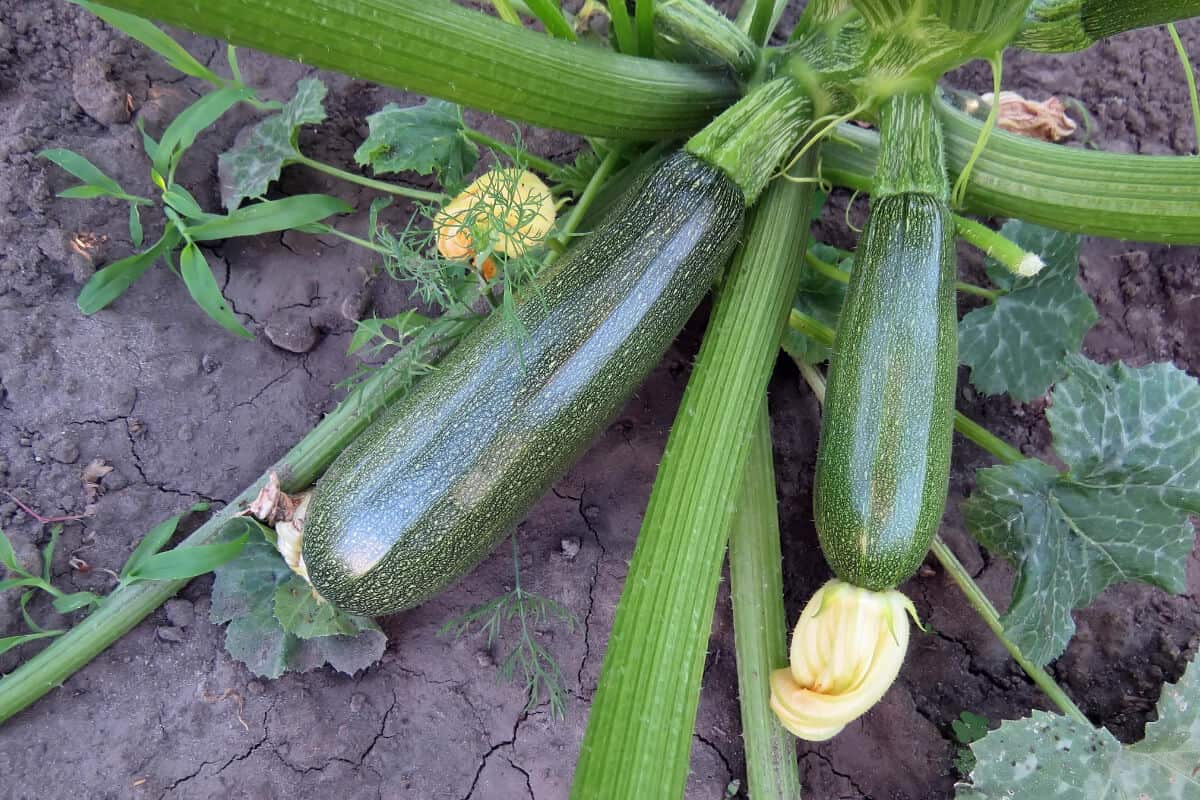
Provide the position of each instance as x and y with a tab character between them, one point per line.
430	488
883	462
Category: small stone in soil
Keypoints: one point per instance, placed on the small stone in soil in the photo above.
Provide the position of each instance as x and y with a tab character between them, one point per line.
100	96
570	547
169	633
180	613
291	330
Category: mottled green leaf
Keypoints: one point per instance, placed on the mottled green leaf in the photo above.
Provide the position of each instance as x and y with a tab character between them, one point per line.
1049	757
820	297
248	171
257	590
1020	343
1120	512
424	139
302	613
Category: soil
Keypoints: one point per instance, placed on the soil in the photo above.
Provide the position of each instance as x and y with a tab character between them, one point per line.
183	412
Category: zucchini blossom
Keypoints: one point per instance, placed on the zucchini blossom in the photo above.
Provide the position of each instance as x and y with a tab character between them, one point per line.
846	651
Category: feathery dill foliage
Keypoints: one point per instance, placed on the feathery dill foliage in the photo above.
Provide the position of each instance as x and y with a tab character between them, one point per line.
538	669
503	230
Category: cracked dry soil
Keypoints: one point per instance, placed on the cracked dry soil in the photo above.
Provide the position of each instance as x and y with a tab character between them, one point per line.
183	412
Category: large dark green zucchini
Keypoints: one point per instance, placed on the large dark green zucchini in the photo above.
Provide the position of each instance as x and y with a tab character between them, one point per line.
884	457
431	487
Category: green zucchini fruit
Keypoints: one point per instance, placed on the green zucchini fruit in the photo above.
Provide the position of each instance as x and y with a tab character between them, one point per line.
431	487
884	458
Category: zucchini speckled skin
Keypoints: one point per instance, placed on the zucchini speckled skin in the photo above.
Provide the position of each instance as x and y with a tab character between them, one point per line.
431	487
884	458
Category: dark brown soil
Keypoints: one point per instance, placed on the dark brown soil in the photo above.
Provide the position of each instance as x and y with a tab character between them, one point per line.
184	412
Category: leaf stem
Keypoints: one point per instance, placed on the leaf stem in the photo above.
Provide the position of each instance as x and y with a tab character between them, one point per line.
506	12
371	183
959	193
984	608
958	573
594	185
517	154
1190	76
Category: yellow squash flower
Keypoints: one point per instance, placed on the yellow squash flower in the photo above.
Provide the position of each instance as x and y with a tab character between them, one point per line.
846	651
512	207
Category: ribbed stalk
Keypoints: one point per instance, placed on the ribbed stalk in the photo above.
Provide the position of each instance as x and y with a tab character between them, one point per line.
1139	198
436	48
759	622
640	728
129	605
911	158
750	139
699	25
1065	26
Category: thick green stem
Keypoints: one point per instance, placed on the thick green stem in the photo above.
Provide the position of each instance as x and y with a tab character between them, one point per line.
371	183
749	140
760	623
129	605
910	147
975	596
995	245
436	48
696	23
1134	197
983	606
639	732
1065	26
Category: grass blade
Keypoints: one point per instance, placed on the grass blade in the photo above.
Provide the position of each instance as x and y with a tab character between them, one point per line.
550	13
202	285
184	563
111	282
73	602
9	642
136	234
148	34
622	27
644	17
183	130
157	539
273	215
86	171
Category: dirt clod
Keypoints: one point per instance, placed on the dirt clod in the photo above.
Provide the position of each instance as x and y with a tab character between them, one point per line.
291	330
101	95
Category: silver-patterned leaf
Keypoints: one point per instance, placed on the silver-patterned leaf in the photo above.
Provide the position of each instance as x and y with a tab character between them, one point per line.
248	170
1050	757
1120	513
1019	343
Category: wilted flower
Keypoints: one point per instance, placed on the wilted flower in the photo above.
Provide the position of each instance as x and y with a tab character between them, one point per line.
846	651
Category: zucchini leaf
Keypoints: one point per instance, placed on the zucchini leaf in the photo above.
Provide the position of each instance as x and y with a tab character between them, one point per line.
1047	755
820	297
427	138
1119	512
1020	343
277	624
248	170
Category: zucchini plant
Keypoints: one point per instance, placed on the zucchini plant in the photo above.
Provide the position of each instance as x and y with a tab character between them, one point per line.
707	146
